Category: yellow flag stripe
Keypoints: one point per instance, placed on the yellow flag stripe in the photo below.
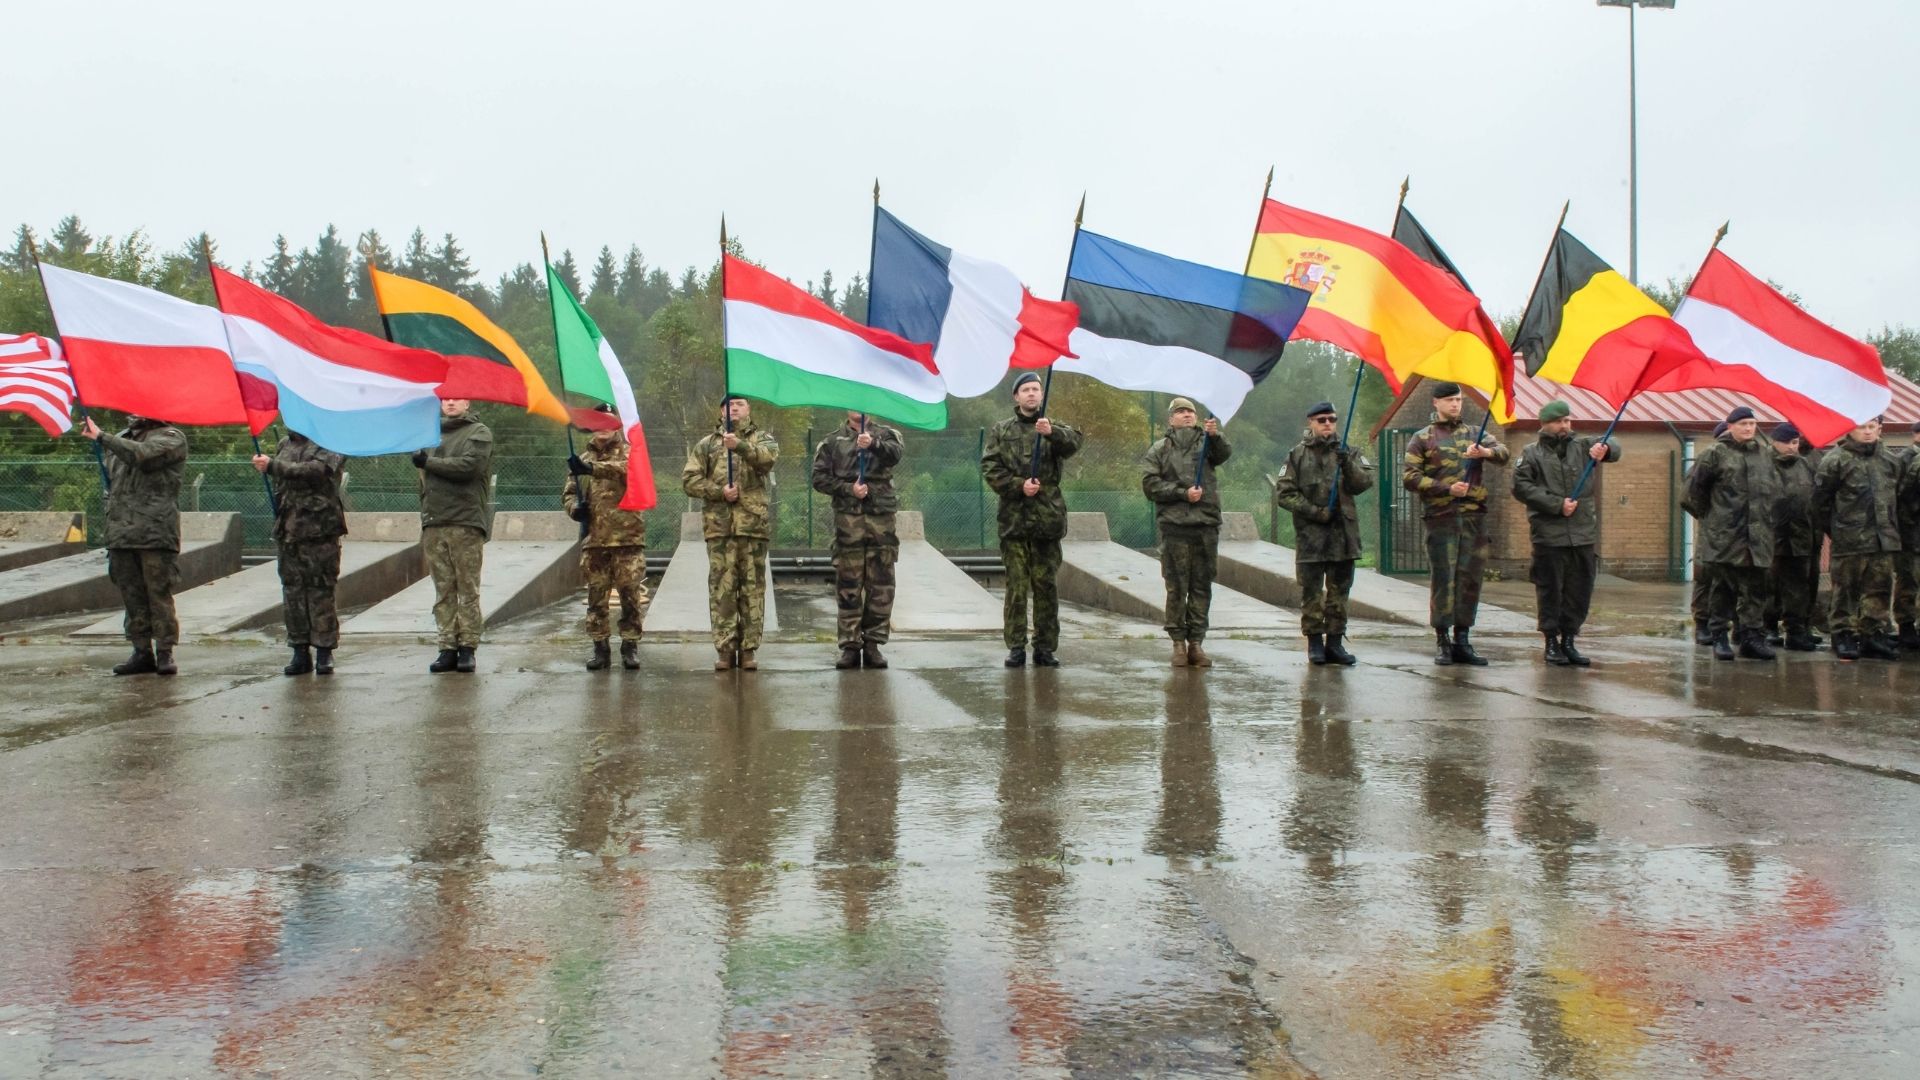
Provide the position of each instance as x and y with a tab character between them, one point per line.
1607	302
1467	360
396	295
1364	294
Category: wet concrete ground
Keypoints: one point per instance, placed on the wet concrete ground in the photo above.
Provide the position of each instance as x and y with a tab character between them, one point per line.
1662	866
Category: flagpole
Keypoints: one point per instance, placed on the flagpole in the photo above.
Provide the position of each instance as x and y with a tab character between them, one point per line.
726	369
1046	384
1200	459
873	248
99	458
553	309
206	256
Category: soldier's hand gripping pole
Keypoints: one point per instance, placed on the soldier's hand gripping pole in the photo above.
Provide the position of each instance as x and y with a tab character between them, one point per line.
273	501
860	456
1046	392
1588	471
1346	429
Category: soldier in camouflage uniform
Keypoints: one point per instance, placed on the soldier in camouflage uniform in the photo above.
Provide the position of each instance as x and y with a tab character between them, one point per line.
1443	466
854	467
1187	510
1701	602
1796	546
1033	518
456	517
613	545
1906	576
145	464
310	519
1732	491
1326	535
1565	527
1855	503
729	471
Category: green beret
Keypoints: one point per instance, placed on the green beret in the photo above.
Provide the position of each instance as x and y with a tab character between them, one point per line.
1554	410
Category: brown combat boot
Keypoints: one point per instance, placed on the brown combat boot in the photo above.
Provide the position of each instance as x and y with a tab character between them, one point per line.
1197	656
747	662
724	660
870	656
1179	654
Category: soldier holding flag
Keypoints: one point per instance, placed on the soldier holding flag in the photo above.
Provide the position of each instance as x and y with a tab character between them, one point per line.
1326	530
1187	509
854	467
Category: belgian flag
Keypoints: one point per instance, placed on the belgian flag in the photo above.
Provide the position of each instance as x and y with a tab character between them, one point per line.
484	363
1588	326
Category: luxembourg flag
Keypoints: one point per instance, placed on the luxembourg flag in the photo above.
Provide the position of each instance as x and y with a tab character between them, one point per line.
350	392
979	317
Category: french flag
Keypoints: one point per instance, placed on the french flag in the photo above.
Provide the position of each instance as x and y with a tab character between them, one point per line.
350	392
978	316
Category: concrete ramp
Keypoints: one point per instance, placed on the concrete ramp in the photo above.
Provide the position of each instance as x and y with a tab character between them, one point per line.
1266	571
209	549
28	537
532	560
1100	573
933	595
379	556
680	603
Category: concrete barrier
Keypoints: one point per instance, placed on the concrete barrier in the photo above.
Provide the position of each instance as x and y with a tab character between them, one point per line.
1099	573
933	595
31	536
532	560
209	548
679	605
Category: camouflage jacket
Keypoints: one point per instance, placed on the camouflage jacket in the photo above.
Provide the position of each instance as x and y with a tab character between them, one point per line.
1732	489
311	506
837	466
1005	466
145	464
455	479
1170	468
1909	501
607	525
1855	500
1548	472
1793	531
705	478
1437	459
1303	488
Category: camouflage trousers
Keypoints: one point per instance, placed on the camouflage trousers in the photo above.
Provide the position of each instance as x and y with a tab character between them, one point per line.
1323	595
1906	579
1457	549
1862	589
1701	602
610	570
863	589
1563	586
309	574
1737	598
453	560
1188	560
1033	569
146	580
737	591
1791	601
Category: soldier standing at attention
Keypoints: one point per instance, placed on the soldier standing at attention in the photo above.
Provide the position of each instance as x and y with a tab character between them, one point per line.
1187	510
1854	500
1906	576
311	518
613	546
456	516
854	466
1701	599
1443	466
1033	518
1565	529
728	470
145	464
1326	534
1732	491
1796	546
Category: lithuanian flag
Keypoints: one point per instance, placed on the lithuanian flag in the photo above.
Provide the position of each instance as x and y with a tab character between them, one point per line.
484	363
1588	326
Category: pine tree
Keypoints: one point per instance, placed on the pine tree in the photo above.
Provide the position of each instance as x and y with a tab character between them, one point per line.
323	273
606	277
370	252
853	302
452	270
631	291
825	292
71	243
20	259
278	275
569	272
416	262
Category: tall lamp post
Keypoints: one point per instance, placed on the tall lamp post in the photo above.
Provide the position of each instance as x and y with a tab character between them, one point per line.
1633	128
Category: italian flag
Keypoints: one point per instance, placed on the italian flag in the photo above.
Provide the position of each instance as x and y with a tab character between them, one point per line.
589	368
786	347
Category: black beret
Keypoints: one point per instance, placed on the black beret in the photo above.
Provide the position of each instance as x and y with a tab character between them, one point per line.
1025	378
1738	414
1785	433
1318	408
1446	389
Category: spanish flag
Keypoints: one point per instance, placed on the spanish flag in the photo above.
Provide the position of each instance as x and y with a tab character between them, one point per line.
1588	326
484	363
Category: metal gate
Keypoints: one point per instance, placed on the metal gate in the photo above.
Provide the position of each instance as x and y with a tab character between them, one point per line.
1403	543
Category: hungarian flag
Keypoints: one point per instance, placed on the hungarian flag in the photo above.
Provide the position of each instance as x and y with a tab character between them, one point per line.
1476	356
786	347
1756	342
484	363
34	381
979	317
589	368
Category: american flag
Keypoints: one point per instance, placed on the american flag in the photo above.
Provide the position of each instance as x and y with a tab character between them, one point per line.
34	380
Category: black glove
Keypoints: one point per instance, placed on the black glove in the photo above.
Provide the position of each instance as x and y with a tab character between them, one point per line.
1342	452
419	459
579	512
578	467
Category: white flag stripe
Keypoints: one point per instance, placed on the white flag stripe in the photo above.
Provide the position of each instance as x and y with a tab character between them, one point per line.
35	381
318	381
1169	369
982	321
101	309
54	381
1729	339
822	349
623	401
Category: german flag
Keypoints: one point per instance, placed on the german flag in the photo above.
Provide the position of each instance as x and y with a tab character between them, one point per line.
484	363
1588	326
1478	355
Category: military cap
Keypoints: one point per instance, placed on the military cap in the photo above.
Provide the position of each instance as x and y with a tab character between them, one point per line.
724	398
1738	414
1446	389
1555	410
1785	433
1025	378
1179	403
1319	408
1719	429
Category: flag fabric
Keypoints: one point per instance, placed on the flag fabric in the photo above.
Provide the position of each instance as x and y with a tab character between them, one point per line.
143	352
347	391
589	368
1757	342
484	363
1476	355
34	381
1588	326
979	317
1152	322
786	347
1371	296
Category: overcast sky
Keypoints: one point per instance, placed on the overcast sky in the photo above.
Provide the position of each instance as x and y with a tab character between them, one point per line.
984	121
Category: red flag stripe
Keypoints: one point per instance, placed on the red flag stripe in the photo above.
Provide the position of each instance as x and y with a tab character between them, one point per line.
1727	284
750	284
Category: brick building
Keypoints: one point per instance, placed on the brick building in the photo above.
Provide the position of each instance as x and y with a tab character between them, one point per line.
1643	533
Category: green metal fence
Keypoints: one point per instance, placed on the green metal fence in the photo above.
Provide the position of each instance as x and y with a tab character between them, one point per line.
1403	547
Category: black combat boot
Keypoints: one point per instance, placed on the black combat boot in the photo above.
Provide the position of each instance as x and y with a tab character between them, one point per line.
1016	657
322	660
1722	648
1554	654
140	663
1846	646
630	654
602	657
1337	653
870	656
1317	649
163	662
1702	635
1463	648
1442	648
1753	645
849	658
302	661
1574	656
1879	646
1798	640
1909	637
1773	636
1044	658
463	660
444	662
